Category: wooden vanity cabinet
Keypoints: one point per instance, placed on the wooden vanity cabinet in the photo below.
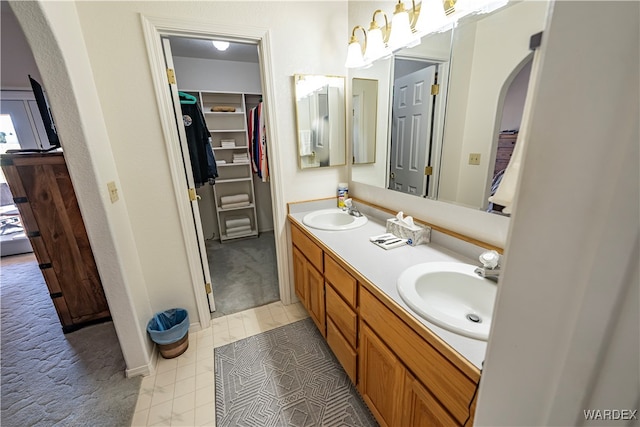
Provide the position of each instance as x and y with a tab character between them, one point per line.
406	377
452	388
381	377
307	273
342	320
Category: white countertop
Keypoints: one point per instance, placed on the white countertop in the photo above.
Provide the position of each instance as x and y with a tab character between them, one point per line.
382	267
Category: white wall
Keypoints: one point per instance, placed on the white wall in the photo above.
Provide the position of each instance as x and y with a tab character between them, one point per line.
215	75
514	100
103	55
17	60
60	53
565	333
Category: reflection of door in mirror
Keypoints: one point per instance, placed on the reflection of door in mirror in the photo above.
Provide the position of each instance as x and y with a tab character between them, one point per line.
411	131
320	127
365	103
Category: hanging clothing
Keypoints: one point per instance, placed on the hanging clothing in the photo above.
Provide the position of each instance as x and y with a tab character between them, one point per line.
258	142
203	161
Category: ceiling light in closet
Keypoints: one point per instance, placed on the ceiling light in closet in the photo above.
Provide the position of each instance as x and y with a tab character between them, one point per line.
220	45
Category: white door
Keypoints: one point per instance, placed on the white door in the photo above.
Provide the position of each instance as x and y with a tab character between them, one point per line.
411	131
197	222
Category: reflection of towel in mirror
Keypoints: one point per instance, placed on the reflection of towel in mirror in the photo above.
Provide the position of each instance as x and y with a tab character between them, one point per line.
305	142
236	198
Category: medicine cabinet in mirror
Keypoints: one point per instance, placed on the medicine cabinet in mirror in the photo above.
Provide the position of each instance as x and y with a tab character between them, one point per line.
364	94
320	113
444	105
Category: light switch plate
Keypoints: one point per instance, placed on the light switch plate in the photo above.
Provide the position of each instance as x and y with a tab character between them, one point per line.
113	191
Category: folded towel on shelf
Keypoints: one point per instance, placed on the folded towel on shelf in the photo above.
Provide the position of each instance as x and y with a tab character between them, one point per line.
220	162
228	144
237	221
234	205
240	229
241	161
236	198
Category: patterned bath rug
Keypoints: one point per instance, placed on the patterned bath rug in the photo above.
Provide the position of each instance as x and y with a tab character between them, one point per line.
285	377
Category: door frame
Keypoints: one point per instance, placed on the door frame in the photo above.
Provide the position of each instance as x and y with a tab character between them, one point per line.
154	28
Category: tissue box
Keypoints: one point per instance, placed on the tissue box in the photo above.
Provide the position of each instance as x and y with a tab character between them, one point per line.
415	235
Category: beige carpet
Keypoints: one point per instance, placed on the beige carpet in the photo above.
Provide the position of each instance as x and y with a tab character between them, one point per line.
49	378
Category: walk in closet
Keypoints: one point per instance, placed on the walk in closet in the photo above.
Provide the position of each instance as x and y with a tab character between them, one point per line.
227	116
235	208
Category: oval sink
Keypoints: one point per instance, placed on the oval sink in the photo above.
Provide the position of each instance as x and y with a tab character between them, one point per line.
450	295
333	219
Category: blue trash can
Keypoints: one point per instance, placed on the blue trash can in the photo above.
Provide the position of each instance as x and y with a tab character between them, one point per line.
170	330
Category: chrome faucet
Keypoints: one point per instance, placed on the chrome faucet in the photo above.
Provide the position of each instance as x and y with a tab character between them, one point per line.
490	268
351	208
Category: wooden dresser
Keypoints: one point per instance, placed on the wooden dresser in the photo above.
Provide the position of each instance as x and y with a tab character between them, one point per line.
42	191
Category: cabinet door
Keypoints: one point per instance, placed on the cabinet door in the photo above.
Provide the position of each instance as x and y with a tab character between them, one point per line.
420	408
315	297
381	377
299	267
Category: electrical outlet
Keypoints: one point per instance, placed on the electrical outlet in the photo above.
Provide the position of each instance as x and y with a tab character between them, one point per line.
113	191
474	158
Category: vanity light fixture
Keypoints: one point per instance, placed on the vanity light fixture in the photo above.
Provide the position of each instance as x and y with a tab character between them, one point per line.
355	58
403	33
432	17
377	39
220	45
408	26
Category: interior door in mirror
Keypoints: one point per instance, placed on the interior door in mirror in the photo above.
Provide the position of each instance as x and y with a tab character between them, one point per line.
364	94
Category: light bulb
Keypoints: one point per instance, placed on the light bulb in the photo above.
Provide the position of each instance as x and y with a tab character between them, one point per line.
432	17
354	56
220	45
401	33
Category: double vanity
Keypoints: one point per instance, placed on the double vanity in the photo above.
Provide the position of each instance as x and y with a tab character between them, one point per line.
411	364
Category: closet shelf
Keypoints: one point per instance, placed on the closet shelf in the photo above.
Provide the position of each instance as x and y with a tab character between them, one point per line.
252	233
226	130
225	113
225	165
244	148
249	206
226	181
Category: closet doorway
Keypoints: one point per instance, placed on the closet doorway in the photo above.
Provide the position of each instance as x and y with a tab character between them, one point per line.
220	96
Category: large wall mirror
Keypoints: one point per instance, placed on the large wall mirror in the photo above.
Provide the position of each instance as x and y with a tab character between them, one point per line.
320	113
450	108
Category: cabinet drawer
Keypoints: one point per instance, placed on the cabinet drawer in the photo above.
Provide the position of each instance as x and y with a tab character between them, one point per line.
343	351
343	317
443	379
307	247
341	281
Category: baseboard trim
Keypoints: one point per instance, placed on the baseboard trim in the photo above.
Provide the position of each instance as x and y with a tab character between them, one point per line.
144	370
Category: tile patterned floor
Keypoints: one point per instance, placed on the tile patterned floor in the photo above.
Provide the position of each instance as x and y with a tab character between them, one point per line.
181	392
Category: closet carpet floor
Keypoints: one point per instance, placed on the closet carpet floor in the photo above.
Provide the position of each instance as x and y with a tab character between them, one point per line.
244	273
49	378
